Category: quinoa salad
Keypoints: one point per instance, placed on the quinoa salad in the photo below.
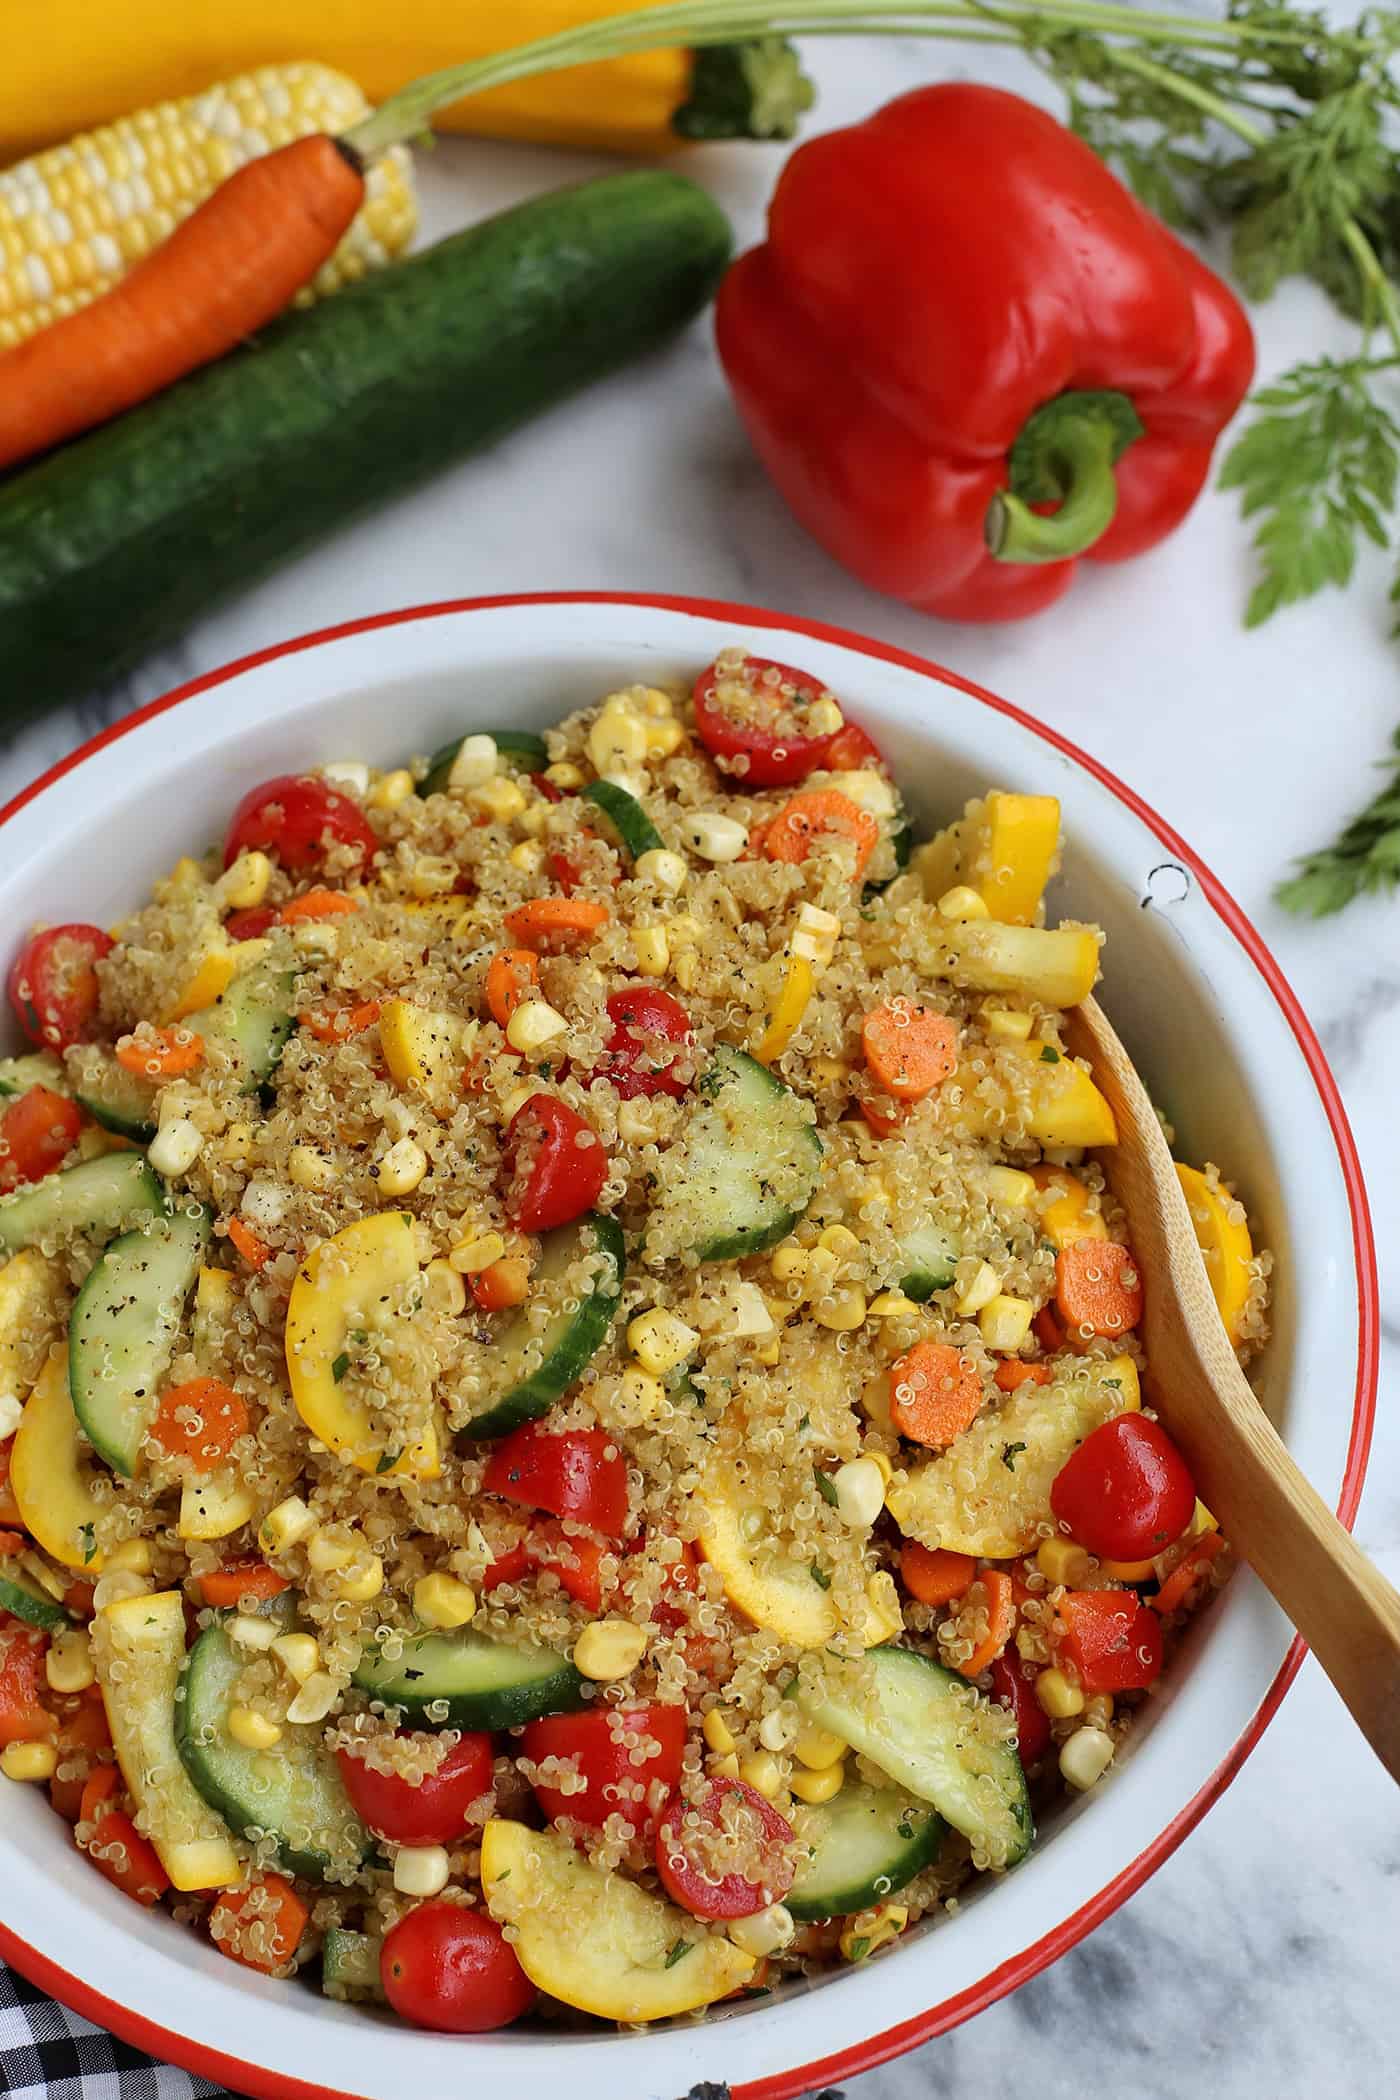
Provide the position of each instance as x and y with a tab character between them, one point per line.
573	1436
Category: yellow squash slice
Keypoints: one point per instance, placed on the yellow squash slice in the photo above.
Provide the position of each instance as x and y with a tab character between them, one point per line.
987	1492
596	1940
357	1283
49	1475
1064	1106
780	1594
31	1315
1053	966
1224	1241
425	1049
1004	847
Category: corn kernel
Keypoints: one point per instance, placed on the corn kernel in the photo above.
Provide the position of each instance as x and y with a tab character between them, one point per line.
1056	1696
299	1655
135	1554
890	1305
252	1729
618	738
842	1312
643	1395
421	1870
68	1663
528	856
713	836
1128	1570
829	1072
860	1492
1060	1561
29	1761
264	1204
441	1600
961	902
1085	1757
327	1550
476	761
663	869
788	1262
1009	1026
636	1122
840	1241
818	1748
349	773
657	704
765	1932
499	801
533	1024
816	1787
470	1257
609	1649
175	1147
253	1633
824	718
244	885
1005	1322
391	789
402	1168
661	1342
653	950
726	1767
362	1581
763	1773
564	776
309	1169
286	1525
236	1144
434	875
443	1289
664	738
315	1699
717	1732
980	1291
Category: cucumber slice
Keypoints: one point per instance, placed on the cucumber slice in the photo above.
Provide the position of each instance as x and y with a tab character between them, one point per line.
519	749
123	1329
472	1681
930	1256
26	1600
117	1099
627	820
350	1964
19	1074
537	1368
293	1793
865	1844
253	1020
934	1734
902	841
746	1166
96	1198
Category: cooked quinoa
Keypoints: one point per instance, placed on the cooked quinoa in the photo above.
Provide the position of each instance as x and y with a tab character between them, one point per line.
649	1239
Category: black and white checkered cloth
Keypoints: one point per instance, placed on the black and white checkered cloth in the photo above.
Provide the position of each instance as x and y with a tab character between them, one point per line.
48	2053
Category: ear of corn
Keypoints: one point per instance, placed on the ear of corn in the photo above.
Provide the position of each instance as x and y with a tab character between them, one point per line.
75	218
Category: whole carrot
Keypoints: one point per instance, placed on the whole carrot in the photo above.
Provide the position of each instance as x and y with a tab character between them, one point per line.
224	273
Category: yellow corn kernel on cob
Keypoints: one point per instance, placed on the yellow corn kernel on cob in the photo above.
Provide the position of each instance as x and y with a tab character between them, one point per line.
75	218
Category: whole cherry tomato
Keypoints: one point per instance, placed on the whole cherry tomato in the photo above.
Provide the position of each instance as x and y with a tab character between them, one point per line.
454	1970
556	1164
578	1473
750	720
1013	1685
1111	1638
297	817
37	1133
53	985
601	1743
1127	1492
432	1813
726	1858
644	1020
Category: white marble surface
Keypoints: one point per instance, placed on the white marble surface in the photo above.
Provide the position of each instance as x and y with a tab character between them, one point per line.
1261	1960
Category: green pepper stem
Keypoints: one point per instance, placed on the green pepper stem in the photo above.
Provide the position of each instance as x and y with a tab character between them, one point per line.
1083	456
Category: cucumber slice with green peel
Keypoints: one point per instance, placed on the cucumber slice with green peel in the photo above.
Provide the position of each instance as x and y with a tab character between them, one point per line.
123	1329
95	1199
902	841
934	1733
252	1019
350	1964
930	1254
535	1367
19	1074
471	1681
863	1845
746	1166
22	1596
117	1099
628	822
292	1793
518	749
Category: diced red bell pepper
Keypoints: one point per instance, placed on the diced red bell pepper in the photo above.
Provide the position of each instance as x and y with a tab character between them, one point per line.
24	1718
1013	1685
129	1861
578	1473
1110	1638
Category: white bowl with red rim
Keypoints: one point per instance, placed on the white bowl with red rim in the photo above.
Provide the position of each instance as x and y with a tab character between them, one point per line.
1227	1054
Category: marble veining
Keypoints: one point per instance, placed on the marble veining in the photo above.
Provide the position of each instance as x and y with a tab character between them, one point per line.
1261	1960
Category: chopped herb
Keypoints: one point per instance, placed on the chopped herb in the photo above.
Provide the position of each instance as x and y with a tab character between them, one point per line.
757	1990
805	1423
826	1486
820	1576
1009	1455
860	1948
504	1876
678	1952
788	1686
387	1459
340	1366
1049	1056
89	1539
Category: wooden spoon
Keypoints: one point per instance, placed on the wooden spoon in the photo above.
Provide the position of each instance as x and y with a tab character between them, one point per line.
1344	1608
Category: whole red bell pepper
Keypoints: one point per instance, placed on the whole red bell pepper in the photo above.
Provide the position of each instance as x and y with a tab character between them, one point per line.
967	355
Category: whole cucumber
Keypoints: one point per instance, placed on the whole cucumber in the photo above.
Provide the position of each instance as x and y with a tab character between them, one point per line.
111	546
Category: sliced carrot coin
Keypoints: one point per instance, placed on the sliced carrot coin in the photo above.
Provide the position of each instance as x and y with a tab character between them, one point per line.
1012	1374
1001	1621
512	976
555	922
161	1053
254	1251
935	1394
935	1575
820	813
336	1024
1098	1287
909	1049
316	904
206	1442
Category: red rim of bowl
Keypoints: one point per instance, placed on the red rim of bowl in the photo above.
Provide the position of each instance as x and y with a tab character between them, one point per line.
1029	1961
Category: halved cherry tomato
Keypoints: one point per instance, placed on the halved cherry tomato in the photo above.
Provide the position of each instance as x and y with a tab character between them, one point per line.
1111	1638
299	818
223	1419
851	750
1013	1685
555	1163
644	1018
1127	1492
726	1858
601	1743
129	1861
578	1473
23	1716
758	736
252	924
280	1912
435	1812
53	985
454	1970
37	1133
